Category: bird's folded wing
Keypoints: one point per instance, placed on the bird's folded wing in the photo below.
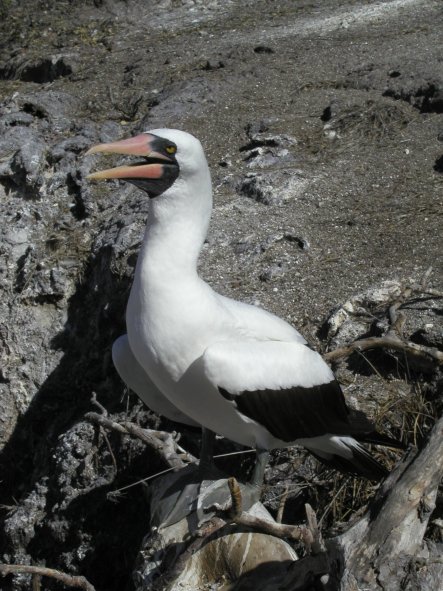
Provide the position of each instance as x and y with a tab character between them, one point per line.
259	323
286	387
135	377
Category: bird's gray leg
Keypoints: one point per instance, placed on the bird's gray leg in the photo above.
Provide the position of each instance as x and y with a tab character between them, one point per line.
251	491
206	463
260	467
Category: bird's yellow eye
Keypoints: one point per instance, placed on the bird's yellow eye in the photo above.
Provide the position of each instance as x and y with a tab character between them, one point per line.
171	149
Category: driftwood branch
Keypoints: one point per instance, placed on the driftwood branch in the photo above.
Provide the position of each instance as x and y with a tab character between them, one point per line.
387	342
397	519
104	413
164	443
391	532
310	569
282	505
393	339
407	505
235	514
41	571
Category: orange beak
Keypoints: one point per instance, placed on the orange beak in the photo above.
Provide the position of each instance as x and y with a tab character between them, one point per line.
140	145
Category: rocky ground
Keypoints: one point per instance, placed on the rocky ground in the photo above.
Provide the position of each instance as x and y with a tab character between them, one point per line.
322	123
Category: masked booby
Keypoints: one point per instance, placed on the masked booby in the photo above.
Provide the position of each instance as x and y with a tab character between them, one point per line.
233	368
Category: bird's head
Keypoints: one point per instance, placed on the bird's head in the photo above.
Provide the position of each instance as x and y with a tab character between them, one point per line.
161	157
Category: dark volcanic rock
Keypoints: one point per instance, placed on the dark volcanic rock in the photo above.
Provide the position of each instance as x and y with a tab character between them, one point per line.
39	70
22	169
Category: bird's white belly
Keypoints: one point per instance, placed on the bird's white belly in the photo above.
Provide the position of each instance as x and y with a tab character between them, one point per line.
184	383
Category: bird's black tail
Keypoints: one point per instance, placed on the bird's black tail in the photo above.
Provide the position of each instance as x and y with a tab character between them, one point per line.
377	438
361	464
347	455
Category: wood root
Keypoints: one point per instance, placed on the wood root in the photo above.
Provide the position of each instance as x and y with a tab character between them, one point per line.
41	571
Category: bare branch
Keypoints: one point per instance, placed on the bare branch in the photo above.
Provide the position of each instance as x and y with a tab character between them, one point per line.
69	580
397	519
36	582
234	514
279	530
104	413
393	339
96	403
282	505
108	445
161	441
431	354
317	544
94	417
236	499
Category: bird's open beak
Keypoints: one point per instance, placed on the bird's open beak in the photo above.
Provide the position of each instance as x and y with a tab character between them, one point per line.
151	167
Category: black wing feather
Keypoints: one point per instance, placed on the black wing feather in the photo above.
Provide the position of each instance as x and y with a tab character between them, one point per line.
361	464
297	412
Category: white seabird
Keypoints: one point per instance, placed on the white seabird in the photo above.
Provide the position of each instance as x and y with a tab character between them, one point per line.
233	368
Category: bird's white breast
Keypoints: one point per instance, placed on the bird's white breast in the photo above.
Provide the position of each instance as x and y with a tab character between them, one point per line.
170	327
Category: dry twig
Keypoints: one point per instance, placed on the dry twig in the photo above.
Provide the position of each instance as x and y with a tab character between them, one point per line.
282	505
69	580
234	514
387	342
393	339
96	403
104	412
161	441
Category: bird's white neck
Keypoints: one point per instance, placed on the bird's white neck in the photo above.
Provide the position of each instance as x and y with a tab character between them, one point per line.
177	225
